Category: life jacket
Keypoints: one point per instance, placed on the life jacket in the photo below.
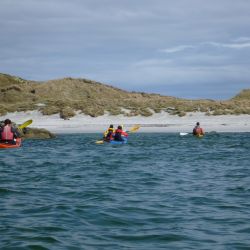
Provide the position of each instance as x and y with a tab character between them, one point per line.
109	135
118	135
107	131
7	134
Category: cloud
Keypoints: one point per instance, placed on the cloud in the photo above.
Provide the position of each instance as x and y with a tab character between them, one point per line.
132	44
242	39
230	45
178	48
244	43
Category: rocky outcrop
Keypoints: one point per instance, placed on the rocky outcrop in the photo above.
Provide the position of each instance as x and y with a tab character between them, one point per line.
36	133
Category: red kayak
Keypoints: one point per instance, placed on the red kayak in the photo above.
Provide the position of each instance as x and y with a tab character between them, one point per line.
9	145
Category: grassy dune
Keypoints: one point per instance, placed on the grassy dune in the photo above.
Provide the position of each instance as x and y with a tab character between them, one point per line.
65	96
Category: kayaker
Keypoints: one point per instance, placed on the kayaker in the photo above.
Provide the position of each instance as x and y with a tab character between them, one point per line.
119	134
109	133
198	130
8	133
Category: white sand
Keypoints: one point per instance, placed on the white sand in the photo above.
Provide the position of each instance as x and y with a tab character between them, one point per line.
161	122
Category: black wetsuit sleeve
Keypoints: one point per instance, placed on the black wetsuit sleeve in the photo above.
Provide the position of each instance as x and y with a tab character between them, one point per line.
15	132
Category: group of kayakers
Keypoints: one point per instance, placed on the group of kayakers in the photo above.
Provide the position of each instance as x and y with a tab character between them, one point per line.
8	133
118	134
114	134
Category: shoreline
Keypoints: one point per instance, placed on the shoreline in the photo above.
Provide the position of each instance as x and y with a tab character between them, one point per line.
158	122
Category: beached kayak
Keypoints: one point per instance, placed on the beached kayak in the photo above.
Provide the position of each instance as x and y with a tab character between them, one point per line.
8	145
125	140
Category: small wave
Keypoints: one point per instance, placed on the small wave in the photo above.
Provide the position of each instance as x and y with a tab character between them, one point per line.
36	247
244	230
47	239
10	191
151	237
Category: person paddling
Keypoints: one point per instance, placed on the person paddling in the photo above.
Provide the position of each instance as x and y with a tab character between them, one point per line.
109	133
120	134
198	131
8	133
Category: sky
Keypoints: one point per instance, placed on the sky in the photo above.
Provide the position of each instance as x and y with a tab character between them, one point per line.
183	48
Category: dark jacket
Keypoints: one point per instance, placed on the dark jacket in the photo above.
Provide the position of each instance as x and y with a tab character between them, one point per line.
119	134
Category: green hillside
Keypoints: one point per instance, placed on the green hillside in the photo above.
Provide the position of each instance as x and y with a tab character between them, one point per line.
244	95
68	95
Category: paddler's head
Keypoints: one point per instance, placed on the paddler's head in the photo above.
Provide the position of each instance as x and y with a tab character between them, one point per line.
7	121
111	126
119	127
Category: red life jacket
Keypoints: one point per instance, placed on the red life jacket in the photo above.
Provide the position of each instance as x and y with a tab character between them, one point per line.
199	131
7	134
120	131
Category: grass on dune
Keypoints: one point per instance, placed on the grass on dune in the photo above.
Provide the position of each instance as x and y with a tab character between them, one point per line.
68	95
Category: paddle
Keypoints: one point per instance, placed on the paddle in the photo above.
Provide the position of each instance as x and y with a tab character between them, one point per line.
183	133
25	124
134	128
131	130
99	142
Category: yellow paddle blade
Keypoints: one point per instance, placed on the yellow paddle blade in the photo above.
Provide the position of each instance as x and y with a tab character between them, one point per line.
134	128
99	142
25	124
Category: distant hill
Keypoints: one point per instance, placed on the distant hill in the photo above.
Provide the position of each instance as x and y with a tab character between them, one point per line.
68	95
244	95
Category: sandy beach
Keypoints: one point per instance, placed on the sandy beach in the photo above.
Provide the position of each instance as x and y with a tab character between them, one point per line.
158	122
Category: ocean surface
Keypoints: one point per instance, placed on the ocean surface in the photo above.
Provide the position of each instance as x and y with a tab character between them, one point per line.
159	191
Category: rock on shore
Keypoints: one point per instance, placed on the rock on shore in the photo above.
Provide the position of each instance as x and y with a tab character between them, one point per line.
36	133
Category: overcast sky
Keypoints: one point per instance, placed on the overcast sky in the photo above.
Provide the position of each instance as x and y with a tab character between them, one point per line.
182	48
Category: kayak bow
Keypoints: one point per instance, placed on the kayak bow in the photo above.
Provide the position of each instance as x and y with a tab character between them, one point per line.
9	145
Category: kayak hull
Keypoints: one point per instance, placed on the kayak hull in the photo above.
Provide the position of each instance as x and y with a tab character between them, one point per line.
7	145
199	136
125	140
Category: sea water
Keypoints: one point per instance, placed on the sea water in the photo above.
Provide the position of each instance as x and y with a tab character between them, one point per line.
159	191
